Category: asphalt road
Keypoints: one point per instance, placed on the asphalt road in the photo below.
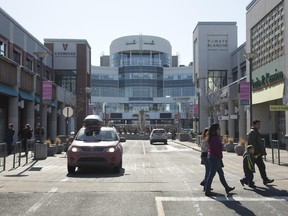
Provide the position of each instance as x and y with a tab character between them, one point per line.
155	180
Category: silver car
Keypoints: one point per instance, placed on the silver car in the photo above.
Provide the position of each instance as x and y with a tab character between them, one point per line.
158	135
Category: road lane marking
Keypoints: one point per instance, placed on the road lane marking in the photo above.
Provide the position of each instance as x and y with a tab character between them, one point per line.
160	200
64	180
38	204
144	151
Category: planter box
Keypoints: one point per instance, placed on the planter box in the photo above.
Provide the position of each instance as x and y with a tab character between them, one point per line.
40	151
60	148
229	147
239	149
51	150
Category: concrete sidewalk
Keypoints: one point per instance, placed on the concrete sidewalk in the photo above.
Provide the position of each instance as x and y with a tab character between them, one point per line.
279	158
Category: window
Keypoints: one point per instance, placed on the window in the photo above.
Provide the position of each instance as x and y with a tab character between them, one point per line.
17	56
2	48
29	63
217	79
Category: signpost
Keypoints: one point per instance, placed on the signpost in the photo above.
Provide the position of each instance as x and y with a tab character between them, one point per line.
67	112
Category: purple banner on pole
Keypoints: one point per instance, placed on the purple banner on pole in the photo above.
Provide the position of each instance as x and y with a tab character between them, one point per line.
47	90
244	90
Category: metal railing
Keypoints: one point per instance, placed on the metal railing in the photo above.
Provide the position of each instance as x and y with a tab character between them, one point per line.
275	151
3	154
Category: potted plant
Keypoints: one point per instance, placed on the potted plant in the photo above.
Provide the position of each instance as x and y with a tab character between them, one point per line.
229	146
60	146
51	148
240	147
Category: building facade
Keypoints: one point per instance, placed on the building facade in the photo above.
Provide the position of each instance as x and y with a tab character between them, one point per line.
266	35
213	44
252	78
29	87
143	86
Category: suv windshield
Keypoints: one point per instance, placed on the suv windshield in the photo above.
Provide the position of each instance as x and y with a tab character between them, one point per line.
87	135
159	131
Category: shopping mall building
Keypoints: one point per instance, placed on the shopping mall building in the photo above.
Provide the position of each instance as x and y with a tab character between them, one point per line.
141	86
140	83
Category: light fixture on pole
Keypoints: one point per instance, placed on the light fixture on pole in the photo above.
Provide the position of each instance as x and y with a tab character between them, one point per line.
41	56
249	57
88	91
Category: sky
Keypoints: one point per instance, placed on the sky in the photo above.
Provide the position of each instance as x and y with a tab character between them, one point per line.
102	21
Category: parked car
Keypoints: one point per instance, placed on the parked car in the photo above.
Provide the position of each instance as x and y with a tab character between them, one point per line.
158	135
95	146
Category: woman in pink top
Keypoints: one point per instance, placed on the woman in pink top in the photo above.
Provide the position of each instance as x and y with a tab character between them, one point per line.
215	160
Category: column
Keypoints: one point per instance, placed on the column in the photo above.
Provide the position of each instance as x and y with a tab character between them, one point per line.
61	119
44	121
53	123
13	115
242	123
29	109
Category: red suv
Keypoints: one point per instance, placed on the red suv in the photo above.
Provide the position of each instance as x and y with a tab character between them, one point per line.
98	147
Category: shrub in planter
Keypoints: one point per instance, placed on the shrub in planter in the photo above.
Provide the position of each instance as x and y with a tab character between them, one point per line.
51	148
229	146
240	147
60	146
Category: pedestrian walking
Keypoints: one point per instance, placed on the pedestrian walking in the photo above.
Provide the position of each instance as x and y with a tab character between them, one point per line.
39	133
215	160
249	167
9	138
255	139
25	134
204	153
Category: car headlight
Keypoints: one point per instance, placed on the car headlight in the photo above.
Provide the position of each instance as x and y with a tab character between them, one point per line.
111	149
75	149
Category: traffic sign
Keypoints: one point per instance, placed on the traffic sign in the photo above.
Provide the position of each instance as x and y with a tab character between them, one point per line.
67	112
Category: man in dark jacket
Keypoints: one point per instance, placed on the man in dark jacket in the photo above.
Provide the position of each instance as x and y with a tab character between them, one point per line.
254	138
9	138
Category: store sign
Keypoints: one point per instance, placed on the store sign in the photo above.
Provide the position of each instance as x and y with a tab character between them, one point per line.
278	107
267	80
217	42
65	55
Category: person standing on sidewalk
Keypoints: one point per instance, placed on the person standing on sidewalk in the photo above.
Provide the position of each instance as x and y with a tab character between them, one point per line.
25	134
254	138
204	153
249	167
215	160
9	138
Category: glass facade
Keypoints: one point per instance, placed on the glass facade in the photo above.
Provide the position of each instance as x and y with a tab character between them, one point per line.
140	58
66	79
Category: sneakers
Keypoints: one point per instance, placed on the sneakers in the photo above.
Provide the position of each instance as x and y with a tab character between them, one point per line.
267	181
252	185
229	189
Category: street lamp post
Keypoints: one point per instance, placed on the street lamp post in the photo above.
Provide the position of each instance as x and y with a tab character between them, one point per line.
249	57
41	56
88	91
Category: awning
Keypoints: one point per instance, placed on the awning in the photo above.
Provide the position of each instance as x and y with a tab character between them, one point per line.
37	99
26	95
268	94
53	104
8	90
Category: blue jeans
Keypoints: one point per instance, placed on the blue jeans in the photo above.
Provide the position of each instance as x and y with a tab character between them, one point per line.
205	163
214	164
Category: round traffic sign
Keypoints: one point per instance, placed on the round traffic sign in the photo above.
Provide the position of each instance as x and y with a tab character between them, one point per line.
67	111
